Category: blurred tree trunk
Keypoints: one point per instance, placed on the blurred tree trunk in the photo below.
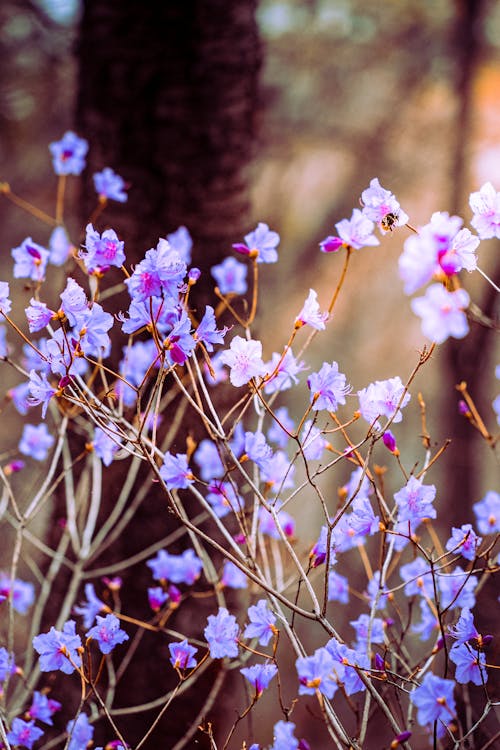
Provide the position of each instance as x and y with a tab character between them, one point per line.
167	98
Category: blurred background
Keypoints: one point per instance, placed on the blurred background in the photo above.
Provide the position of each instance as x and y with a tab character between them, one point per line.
278	111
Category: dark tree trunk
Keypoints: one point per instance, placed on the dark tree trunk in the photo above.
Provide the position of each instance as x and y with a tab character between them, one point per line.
167	98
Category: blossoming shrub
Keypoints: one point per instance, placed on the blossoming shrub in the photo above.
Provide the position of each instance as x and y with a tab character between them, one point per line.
412	655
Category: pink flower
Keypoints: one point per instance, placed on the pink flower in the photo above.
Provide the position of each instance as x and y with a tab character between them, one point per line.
381	206
244	357
310	313
442	313
485	205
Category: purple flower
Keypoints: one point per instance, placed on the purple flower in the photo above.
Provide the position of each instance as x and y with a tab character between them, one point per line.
20	396
356	232
58	649
207	330
442	313
470	664
93	336
434	700
41	391
5	303
313	442
175	471
36	441
68	154
182	655
30	260
283	736
43	708
316	673
223	498
59	247
110	185
257	449
310	313
362	627
231	276
7	665
74	303
381	206
485	205
389	441
278	472
260	244
415	500
185	568
24	733
429	624
457	589
222	634
232	577
338	588
261	625
180	343
259	675
22	593
38	315
418	578
107	633
487	513
318	553
103	250
346	661
208	458
244	358
373	589
282	372
80	731
465	541
106	443
267	524
89	609
157	597
382	398
181	242
464	630
328	387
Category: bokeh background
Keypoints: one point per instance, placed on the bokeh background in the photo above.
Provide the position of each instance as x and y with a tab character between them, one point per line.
288	110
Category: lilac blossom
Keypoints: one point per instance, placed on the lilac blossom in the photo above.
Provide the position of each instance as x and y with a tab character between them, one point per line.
364	626
383	398
338	588
182	655
257	449
464	541
381	206
93	336
313	442
278	472
24	733
363	520
282	372
221	634
61	356
5	303
107	633
318	553
30	260
434	700
260	244
259	676
207	331
231	276
283	736
38	315
175	471
36	441
346	663
487	513
155	312
58	649
233	577
442	313
157	597
106	443
328	387
74	302
102	250
59	246
244	358
184	568
208	458
485	205
418	578
356	232
81	732
110	185
310	313
267	524
262	623
223	498
41	391
415	500
316	673
90	608
43	708
470	664
180	241
68	154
